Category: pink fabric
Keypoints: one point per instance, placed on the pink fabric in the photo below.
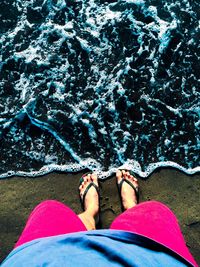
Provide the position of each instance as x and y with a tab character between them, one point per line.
151	219
155	221
50	218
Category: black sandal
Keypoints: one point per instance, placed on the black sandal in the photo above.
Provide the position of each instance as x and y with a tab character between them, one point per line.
136	189
82	199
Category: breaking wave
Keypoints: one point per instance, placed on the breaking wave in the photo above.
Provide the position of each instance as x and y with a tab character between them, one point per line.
99	84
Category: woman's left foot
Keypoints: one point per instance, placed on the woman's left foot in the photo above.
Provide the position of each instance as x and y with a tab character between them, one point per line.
127	189
91	199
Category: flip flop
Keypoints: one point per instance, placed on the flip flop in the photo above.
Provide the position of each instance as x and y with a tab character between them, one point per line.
82	199
136	189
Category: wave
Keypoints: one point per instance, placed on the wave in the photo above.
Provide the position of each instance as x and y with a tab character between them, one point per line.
99	85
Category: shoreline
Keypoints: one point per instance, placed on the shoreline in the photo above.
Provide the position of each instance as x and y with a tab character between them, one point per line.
21	194
151	169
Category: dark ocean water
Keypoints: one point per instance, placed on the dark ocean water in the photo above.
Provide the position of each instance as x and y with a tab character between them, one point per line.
99	84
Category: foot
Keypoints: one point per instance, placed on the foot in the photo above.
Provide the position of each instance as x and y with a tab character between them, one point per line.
91	202
128	195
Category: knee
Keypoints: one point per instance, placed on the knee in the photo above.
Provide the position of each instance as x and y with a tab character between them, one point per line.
154	204
46	204
157	206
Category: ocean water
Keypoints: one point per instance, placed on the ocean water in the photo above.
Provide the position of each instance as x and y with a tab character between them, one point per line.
99	84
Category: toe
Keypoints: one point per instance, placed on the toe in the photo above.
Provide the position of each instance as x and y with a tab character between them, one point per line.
130	178
80	187
86	177
119	174
94	178
123	172
133	178
127	175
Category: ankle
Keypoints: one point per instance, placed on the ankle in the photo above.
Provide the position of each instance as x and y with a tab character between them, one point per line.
88	220
91	212
129	204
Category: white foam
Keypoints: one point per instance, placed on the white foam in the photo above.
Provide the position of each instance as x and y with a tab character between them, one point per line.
93	20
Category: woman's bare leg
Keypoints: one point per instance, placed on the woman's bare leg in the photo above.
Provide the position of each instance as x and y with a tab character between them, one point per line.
91	203
128	195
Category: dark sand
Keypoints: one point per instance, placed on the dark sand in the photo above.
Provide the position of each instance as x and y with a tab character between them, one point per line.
20	195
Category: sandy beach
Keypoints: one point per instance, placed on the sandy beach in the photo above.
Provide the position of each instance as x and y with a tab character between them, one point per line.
20	195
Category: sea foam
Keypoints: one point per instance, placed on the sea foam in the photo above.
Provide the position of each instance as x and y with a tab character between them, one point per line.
100	85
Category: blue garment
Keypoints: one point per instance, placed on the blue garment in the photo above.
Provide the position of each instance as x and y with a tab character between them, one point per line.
93	248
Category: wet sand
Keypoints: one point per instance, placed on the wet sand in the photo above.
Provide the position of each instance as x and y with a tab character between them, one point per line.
20	195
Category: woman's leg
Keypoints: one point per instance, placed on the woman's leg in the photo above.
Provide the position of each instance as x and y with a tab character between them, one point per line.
91	202
153	220
50	218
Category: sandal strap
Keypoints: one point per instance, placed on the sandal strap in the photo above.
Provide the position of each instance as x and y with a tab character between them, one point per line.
86	190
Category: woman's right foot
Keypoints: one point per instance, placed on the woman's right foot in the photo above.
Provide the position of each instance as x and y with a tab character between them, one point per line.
128	194
91	201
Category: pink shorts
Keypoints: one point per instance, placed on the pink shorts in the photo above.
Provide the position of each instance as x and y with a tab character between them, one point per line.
151	219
